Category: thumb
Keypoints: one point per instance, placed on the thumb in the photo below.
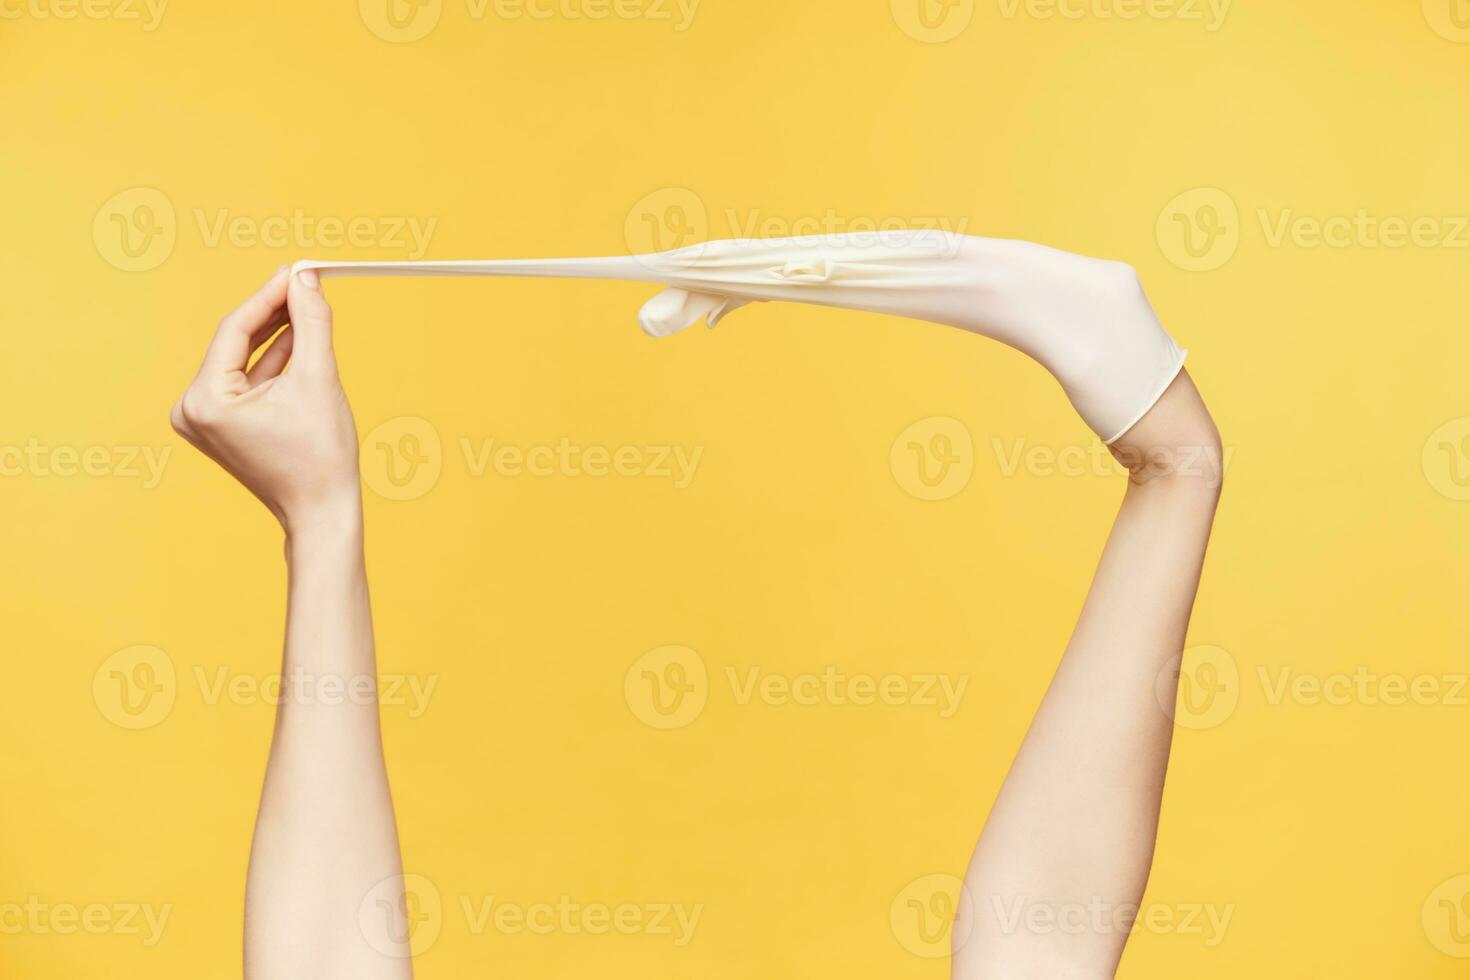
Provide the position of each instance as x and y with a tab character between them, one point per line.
678	309
311	320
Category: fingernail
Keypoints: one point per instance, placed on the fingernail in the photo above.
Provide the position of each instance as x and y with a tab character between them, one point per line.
309	279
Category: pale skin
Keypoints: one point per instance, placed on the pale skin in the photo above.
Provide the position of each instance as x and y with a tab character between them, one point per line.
1074	825
325	837
1075	820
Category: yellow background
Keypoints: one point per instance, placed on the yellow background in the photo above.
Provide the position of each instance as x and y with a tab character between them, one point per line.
1325	828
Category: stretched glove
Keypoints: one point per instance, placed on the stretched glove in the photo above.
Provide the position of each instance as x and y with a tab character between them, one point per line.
1087	321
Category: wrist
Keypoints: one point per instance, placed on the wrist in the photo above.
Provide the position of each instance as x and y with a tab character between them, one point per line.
1176	444
331	525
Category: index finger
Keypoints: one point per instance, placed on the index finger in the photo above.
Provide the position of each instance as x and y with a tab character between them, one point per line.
232	343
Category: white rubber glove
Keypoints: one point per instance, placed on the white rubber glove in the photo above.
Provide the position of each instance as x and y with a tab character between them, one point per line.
1085	320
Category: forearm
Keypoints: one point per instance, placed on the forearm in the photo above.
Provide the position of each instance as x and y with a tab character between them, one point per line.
325	836
1101	718
1074	825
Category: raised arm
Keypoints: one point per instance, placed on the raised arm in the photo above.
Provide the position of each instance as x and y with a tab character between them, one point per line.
325	837
1075	822
1072	831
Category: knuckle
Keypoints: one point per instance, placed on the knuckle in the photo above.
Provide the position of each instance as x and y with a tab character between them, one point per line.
1123	277
197	409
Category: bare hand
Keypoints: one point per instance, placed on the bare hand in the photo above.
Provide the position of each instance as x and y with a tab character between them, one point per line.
288	436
